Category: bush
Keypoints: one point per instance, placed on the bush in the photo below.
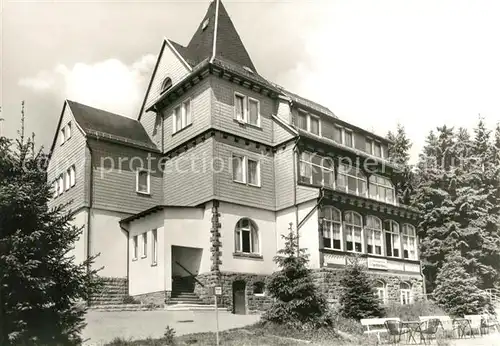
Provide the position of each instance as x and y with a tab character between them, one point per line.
456	290
297	303
358	299
169	336
412	312
130	300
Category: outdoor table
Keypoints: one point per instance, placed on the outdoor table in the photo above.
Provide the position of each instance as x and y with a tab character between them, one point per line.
461	325
412	327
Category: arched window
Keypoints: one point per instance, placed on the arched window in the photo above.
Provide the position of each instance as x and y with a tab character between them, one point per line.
373	235
246	236
409	241
353	224
405	289
382	189
351	179
166	84
332	228
392	239
380	291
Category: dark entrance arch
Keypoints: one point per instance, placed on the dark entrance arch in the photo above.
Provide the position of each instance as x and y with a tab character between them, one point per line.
239	304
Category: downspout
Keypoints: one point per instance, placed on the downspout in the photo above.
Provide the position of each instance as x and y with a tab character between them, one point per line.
89	218
295	167
128	257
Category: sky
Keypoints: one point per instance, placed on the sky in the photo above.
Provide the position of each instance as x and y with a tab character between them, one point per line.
421	63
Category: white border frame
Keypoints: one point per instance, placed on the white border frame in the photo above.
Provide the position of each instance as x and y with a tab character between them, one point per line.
148	181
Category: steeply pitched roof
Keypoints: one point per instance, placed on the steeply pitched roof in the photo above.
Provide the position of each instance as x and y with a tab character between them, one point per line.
99	123
216	24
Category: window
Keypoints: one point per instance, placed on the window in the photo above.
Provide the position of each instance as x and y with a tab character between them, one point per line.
72	176
374	148
144	245
181	116
204	25
392	240
246	170
331	228
61	184
135	247
308	122
246	237
142	181
382	189
314	125
406	297
154	247
373	235
66	180
409	242
348	138
317	170
337	134
246	109
253	112
302	120
259	288
56	189
166	84
62	136
380	291
351	179
353	225
239	107
68	131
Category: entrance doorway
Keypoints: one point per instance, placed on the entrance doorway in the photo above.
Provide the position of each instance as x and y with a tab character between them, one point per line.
185	267
239	304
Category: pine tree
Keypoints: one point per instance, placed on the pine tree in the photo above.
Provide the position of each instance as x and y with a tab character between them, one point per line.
41	285
297	302
456	290
399	153
358	299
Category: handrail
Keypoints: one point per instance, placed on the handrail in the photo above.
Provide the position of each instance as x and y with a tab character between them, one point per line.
191	274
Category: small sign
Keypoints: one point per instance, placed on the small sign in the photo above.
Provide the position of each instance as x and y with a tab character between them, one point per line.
377	263
218	291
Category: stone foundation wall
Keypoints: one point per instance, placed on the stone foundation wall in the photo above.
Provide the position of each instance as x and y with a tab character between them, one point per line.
328	282
254	302
155	298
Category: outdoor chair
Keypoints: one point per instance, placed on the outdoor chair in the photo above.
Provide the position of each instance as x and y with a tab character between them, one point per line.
394	330
487	322
429	329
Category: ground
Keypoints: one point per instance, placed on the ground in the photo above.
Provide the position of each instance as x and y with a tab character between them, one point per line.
105	326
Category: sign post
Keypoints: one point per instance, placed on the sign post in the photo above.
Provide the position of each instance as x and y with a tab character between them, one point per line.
217	293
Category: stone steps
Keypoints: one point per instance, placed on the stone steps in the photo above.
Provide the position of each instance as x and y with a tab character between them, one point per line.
192	307
120	307
113	292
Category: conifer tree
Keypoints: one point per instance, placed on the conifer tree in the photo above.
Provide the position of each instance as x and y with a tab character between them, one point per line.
399	153
457	291
358	299
41	286
297	302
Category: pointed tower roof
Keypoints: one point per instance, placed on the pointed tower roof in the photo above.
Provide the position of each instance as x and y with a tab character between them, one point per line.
216	38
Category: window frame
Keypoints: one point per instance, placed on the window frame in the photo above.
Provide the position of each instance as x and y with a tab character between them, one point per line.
245	172
390	186
257	284
144	237
351	132
154	247
69	131
185	120
135	247
67	184
253	231
348	174
148	181
383	290
392	232
62	134
72	176
372	230
308	116
405	294
323	168
61	184
332	222
353	226
243	118
405	238
251	99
